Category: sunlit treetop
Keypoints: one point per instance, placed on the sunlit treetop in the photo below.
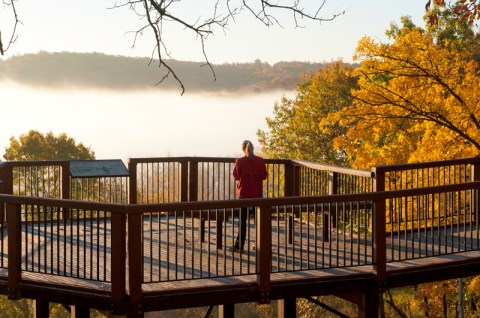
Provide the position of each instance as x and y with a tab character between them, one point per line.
467	10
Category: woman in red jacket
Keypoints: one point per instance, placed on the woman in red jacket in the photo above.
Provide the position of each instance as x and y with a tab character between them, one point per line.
249	171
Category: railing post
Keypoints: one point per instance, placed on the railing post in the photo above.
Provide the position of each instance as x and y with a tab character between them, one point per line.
474	201
66	180
193	178
14	250
292	188
289	180
332	182
184	181
264	252
135	260
332	189
6	176
66	193
298	179
118	262
132	182
379	231
6	186
193	194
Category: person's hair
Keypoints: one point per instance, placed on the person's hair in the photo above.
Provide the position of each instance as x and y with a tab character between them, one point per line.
247	148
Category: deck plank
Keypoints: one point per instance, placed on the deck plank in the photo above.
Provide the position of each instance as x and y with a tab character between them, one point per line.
78	255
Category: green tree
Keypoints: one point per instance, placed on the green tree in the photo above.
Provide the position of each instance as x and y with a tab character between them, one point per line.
14	309
294	132
37	146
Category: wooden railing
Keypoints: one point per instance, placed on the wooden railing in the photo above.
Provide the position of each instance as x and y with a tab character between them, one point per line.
430	174
163	245
292	230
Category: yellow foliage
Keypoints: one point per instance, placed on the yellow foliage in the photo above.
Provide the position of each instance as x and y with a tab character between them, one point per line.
417	101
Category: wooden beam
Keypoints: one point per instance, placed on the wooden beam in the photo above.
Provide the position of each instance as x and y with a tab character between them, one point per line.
287	308
369	306
14	250
264	249
80	312
226	311
119	245
41	309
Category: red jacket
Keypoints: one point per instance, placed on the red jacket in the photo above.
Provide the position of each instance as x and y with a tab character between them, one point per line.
250	174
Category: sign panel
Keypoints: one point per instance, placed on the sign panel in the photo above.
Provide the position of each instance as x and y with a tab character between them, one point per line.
98	168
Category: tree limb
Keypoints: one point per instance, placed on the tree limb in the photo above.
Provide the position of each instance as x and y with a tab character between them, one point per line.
159	12
13	36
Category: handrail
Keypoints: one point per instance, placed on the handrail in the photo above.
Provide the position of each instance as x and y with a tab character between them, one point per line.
430	164
236	203
30	163
65	203
197	159
319	166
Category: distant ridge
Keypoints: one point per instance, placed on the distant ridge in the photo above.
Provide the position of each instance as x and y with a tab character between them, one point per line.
101	71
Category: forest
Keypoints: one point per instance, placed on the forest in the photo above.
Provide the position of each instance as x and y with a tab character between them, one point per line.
101	71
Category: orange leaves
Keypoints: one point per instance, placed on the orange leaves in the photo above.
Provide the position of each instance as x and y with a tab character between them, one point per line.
417	101
468	10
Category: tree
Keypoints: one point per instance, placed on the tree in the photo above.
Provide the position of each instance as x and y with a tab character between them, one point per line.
417	100
38	146
467	10
158	15
294	132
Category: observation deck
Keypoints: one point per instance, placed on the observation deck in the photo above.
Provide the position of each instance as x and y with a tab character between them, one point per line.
158	234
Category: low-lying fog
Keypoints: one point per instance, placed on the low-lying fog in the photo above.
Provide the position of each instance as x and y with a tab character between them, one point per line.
122	125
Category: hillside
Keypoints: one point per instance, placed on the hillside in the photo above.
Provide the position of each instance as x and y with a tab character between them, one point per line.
96	70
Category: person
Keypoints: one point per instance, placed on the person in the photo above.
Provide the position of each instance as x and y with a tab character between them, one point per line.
249	172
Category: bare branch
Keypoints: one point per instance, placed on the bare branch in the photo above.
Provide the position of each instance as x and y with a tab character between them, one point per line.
159	12
13	36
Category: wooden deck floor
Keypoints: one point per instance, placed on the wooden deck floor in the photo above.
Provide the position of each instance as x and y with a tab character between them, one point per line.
79	255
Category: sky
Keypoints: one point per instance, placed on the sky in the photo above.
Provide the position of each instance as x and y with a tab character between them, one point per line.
94	26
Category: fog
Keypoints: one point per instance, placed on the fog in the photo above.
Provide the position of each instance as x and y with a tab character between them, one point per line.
122	125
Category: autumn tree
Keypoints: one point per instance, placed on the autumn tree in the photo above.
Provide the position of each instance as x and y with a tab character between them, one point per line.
466	10
37	146
417	100
293	131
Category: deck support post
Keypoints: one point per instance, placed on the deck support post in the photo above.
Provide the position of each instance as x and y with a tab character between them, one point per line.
135	261
41	309
287	308
226	311
380	241
264	250
80	312
14	250
369	305
119	255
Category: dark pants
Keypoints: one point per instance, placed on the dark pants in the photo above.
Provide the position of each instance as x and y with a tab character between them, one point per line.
242	227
